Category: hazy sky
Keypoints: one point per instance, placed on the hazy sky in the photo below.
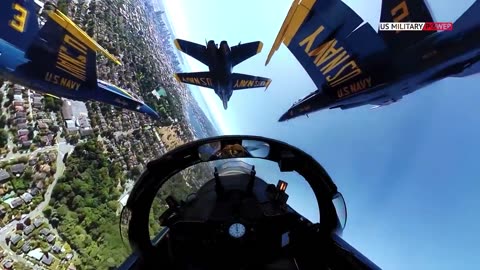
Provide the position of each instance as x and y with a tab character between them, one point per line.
408	171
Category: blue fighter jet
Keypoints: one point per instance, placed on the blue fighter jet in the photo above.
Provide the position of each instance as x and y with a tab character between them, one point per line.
352	65
220	61
55	57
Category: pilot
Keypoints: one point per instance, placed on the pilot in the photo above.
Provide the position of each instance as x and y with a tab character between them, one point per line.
232	150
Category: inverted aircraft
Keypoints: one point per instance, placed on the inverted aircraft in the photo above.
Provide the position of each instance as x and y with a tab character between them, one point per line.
44	50
220	61
237	218
352	65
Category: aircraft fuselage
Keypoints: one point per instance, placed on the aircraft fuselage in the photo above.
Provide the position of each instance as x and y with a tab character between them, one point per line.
221	69
12	68
444	54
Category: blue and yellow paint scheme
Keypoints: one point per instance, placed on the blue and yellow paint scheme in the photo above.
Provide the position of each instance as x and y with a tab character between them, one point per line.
353	65
220	61
56	58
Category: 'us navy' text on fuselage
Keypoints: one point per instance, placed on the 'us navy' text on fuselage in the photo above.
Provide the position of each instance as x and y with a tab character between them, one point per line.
64	82
354	87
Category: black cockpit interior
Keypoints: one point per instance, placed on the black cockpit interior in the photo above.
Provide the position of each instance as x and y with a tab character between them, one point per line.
237	220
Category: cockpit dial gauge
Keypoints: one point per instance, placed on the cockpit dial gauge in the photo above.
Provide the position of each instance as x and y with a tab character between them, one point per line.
236	230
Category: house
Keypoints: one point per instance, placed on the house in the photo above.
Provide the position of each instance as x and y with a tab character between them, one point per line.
20	120
17	168
40	184
51	238
20	115
26	247
44	232
37	254
83	121
69	256
15	239
19	109
39	176
22	132
16	203
52	156
70	124
26	197
4	176
18	103
26	143
37	102
28	230
42	125
86	132
47	259
23	138
45	168
22	126
37	222
7	264
67	111
56	249
32	161
34	191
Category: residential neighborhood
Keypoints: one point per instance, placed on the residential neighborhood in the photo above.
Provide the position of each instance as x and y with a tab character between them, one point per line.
39	132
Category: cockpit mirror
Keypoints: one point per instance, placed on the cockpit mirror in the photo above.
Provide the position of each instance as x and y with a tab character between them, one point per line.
225	150
257	149
340	208
208	150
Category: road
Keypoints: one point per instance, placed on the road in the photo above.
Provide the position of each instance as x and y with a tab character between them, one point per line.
11	156
62	148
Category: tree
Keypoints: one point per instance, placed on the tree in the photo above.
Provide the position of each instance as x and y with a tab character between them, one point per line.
3	138
3	121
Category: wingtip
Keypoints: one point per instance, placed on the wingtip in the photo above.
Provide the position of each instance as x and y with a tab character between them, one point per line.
268	84
177	45
260	47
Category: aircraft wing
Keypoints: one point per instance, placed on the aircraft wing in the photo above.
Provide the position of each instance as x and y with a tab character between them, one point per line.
195	50
116	96
404	11
331	43
244	81
240	53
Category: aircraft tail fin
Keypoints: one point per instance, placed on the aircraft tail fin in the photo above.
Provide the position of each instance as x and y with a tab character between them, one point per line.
243	81
18	22
469	17
203	79
69	26
63	54
404	11
242	52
